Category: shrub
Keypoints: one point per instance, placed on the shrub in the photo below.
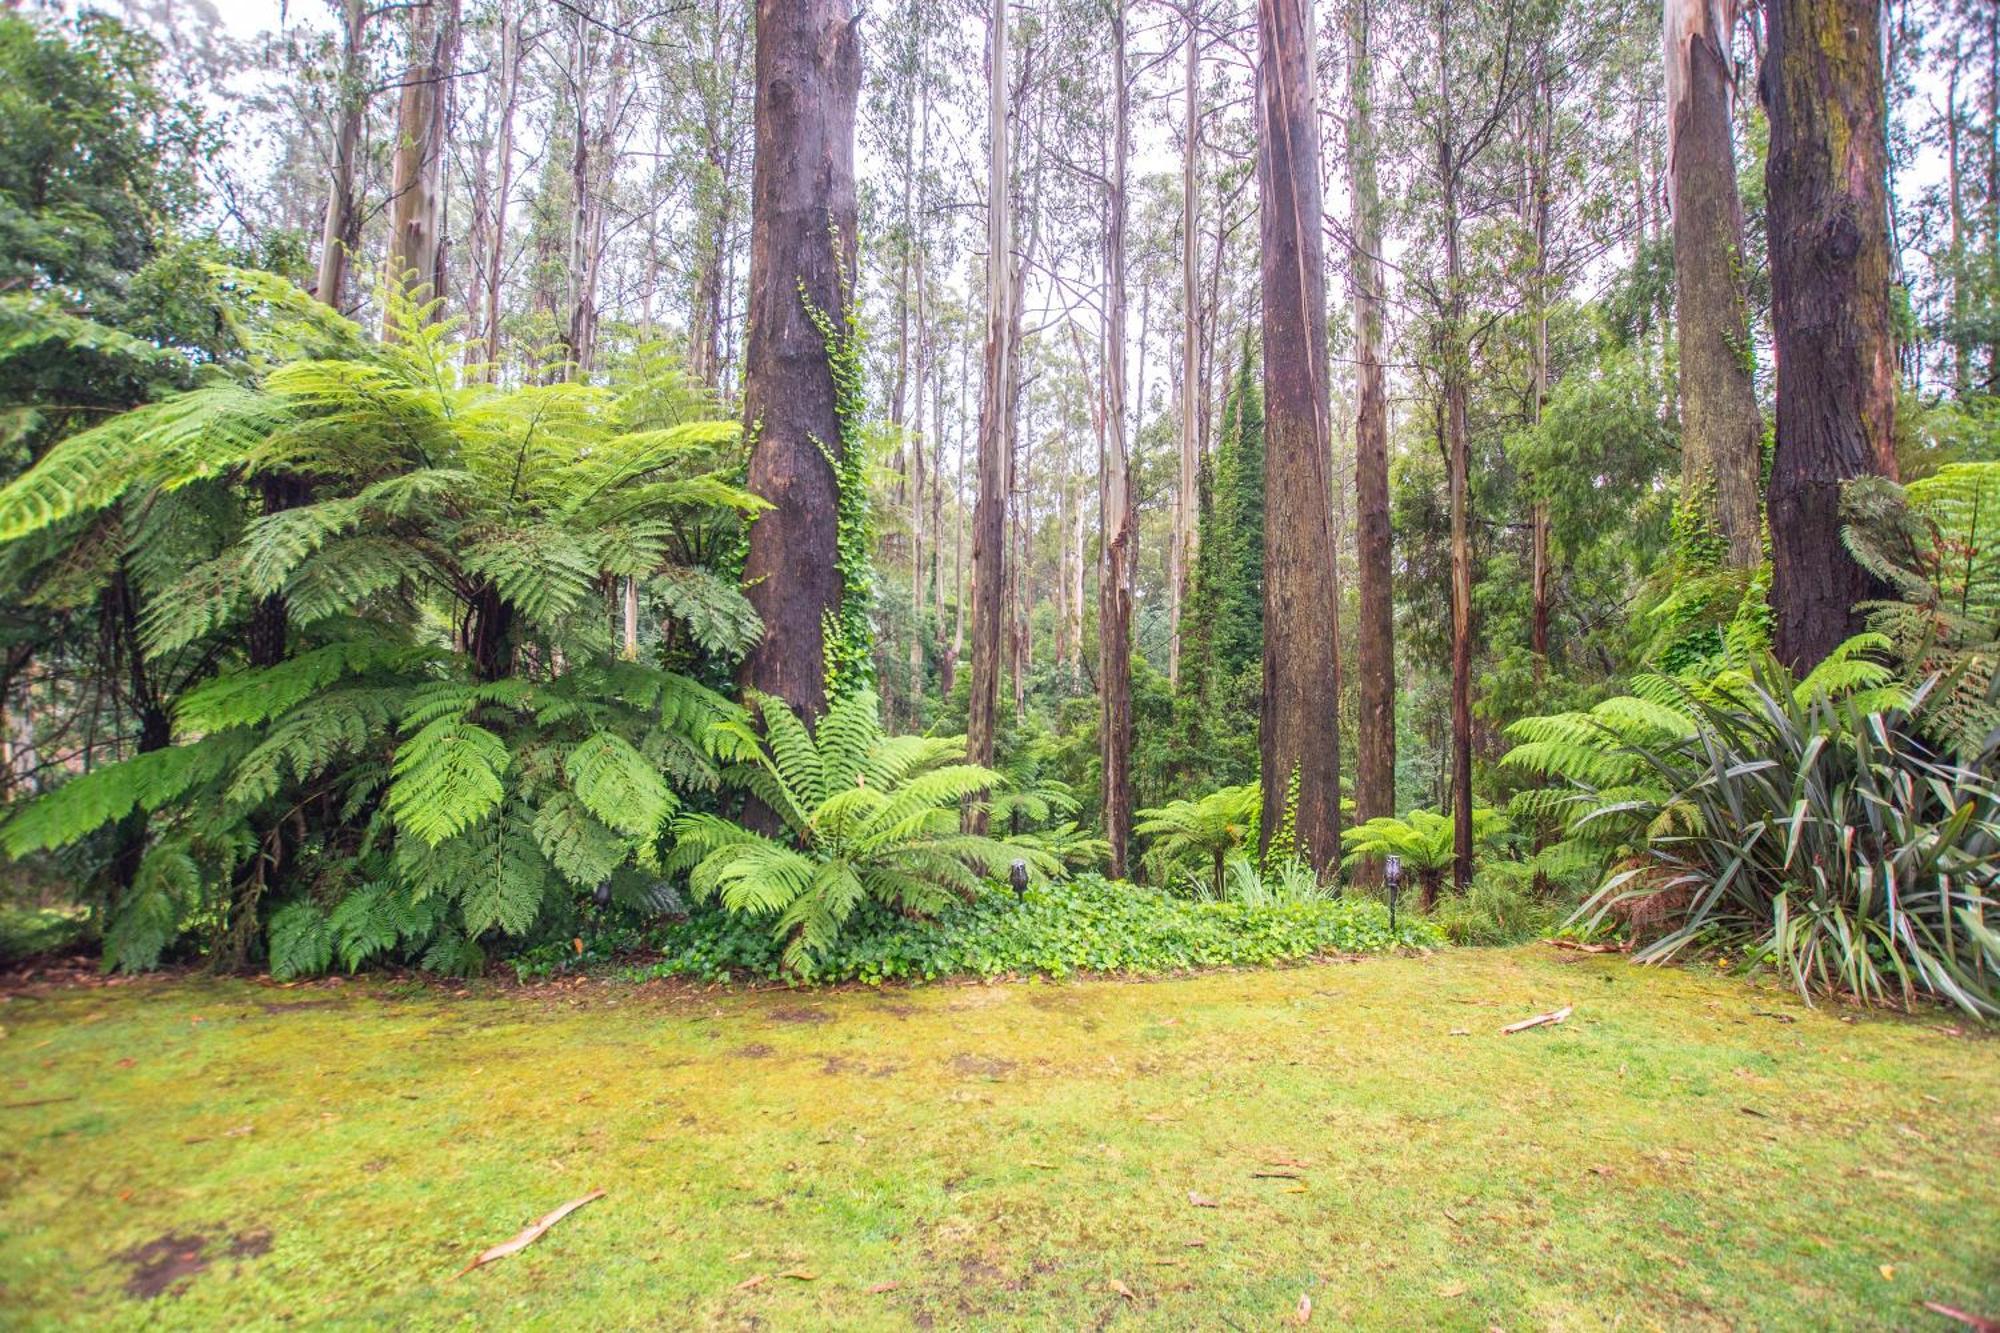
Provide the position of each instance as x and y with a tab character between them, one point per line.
1423	839
1057	929
1199	835
866	818
1282	883
1500	906
1827	839
1596	782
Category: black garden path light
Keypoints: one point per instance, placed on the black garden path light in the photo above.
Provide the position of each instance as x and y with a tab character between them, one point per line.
1392	875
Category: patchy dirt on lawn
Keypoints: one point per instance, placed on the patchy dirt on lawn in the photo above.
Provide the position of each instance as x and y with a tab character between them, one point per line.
1682	1151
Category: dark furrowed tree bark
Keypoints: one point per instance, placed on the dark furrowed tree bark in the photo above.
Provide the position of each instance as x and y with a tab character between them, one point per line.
1721	429
802	247
1300	717
1454	376
1375	646
996	427
1830	276
1120	513
1181	553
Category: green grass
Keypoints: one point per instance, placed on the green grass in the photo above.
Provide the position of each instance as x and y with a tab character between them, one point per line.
1672	1156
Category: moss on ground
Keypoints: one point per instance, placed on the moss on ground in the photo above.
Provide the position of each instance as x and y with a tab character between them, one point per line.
1685	1151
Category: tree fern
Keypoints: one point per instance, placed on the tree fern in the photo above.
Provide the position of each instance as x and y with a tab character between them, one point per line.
1188	834
1423	839
866	818
433	795
1937	543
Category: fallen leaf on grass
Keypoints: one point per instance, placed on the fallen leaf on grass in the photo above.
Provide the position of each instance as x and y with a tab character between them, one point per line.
1304	1314
1296	1187
1552	1017
881	1287
1274	1175
1461	1032
1202	1200
1977	1322
1289	1161
1888	1272
751	1283
1043	1166
1194	1242
800	1275
1122	1290
1580	946
529	1234
1751	1110
1451	1292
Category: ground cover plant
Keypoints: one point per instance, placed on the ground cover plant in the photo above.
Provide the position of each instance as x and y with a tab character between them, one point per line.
1055	929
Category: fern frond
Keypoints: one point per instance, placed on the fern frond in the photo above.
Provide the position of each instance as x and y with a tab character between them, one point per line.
248	697
447	778
105	795
166	445
582	850
511	881
148	918
616	784
312	736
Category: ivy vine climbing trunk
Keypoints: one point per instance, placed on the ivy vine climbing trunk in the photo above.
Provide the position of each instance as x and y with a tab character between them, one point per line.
1300	716
802	249
1120	516
1721	429
996	423
1830	276
1375	640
